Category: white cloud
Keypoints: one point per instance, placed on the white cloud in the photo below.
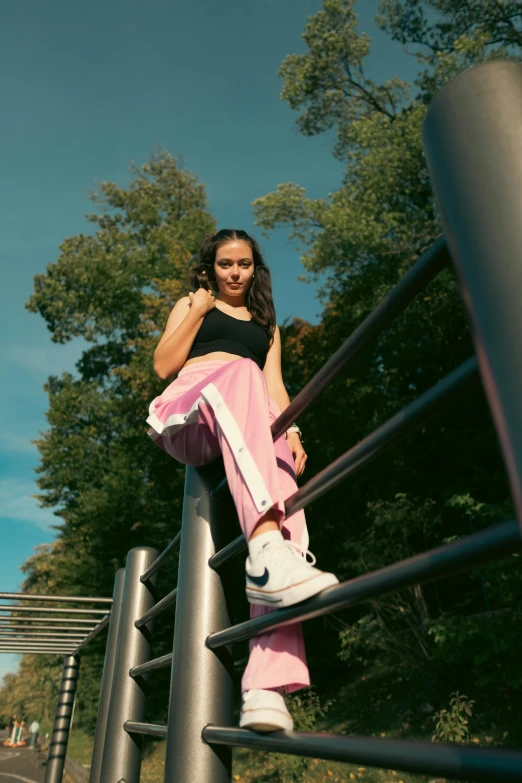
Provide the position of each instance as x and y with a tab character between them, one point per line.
16	502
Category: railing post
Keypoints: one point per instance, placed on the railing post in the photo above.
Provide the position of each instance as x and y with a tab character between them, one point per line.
474	154
107	678
201	684
62	720
121	759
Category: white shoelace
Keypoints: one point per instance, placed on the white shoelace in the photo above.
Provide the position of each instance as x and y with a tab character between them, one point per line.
301	553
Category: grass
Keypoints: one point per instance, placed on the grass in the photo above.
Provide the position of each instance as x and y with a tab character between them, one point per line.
376	704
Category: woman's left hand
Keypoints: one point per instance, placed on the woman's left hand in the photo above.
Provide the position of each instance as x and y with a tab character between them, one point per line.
299	454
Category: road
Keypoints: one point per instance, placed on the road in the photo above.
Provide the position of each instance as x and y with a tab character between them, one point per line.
21	764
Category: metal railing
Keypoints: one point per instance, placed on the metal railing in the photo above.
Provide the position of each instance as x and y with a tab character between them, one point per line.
54	631
472	146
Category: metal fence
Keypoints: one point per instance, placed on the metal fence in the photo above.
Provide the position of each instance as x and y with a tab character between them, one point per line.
40	629
474	151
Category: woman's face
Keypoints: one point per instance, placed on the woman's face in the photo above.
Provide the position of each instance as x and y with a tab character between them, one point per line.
234	268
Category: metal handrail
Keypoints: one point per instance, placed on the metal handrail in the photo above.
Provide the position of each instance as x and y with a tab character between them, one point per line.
151	666
468	552
93	633
448	761
162	558
458	382
201	683
428	265
169	599
152	729
228	552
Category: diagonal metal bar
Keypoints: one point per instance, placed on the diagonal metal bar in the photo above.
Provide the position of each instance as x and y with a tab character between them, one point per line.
449	761
457	383
427	266
230	550
165	602
162	558
491	544
93	633
151	666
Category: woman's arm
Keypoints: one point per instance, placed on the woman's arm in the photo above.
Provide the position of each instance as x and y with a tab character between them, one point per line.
277	392
182	327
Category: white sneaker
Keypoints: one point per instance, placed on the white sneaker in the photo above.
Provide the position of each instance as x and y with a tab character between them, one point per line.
264	711
281	575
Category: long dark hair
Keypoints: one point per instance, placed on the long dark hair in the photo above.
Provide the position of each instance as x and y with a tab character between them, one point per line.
259	300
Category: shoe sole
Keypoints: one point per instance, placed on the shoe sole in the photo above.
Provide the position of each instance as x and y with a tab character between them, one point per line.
293	594
264	720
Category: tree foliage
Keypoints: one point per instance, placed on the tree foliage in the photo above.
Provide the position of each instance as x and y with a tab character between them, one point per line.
111	489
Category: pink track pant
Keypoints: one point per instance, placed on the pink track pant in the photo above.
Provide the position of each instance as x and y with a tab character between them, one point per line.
215	408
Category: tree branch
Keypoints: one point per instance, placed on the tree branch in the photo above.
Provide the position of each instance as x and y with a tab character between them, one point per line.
365	93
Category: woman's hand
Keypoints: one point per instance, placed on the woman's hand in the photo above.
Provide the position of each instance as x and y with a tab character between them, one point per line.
202	301
299	454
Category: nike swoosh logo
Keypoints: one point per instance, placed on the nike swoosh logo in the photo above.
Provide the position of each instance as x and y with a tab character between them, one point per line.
260	581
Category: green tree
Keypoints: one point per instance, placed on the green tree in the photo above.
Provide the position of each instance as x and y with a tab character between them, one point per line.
365	236
110	487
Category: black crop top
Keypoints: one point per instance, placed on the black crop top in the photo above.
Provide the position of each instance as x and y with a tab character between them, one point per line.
222	332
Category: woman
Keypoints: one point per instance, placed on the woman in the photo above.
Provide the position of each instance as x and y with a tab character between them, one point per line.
229	390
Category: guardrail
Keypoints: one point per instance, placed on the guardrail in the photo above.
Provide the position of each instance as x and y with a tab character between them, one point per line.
473	149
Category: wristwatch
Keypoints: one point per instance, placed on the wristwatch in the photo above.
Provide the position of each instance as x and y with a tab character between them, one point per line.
294	428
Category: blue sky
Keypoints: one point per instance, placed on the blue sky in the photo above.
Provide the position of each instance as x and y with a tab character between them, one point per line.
87	87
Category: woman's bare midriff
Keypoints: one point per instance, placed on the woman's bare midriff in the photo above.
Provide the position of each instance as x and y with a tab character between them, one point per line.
216	356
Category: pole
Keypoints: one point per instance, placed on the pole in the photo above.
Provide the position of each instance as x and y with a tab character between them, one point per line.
107	678
121	759
62	720
474	153
201	685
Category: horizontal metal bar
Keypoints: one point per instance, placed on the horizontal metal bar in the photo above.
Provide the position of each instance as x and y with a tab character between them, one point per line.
70	598
39	642
459	382
427	266
169	599
458	762
34	651
93	633
150	666
25	650
162	558
152	729
36	634
491	544
47	609
34	627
